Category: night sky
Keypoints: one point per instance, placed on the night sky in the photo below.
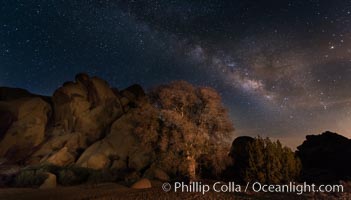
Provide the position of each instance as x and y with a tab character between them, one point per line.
283	68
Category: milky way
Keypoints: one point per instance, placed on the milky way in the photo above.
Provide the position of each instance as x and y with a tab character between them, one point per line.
283	68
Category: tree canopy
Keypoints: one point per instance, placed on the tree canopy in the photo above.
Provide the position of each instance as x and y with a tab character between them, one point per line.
185	124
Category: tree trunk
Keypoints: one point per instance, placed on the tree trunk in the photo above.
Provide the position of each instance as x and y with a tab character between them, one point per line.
191	168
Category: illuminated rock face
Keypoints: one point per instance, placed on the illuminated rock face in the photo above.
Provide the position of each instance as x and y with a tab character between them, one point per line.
26	120
61	158
50	182
142	184
86	106
120	145
58	129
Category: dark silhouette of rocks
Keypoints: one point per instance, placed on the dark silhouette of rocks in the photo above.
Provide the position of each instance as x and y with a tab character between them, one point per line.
240	147
7	93
239	154
325	158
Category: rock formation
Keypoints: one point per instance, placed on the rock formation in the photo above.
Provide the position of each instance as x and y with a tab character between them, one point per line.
23	128
50	182
325	157
57	130
239	154
88	124
142	184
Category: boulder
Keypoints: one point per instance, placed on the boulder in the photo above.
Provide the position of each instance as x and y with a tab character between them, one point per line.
119	164
121	144
6	120
142	184
25	126
88	106
131	177
239	153
161	175
50	182
325	158
61	158
99	151
98	161
74	142
156	173
83	113
91	123
7	94
239	148
133	93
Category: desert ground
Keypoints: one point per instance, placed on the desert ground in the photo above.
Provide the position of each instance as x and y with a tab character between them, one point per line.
111	191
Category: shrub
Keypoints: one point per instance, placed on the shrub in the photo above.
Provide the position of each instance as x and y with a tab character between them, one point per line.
70	175
73	175
30	178
67	177
270	162
102	176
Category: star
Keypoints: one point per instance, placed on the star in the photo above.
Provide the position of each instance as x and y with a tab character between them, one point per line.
267	62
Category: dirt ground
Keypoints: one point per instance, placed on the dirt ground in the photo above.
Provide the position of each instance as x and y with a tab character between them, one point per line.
112	191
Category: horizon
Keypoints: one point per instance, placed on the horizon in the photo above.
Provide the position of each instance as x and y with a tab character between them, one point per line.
292	143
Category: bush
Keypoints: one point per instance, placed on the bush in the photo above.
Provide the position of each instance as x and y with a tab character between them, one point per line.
30	178
263	160
270	162
73	175
102	176
67	177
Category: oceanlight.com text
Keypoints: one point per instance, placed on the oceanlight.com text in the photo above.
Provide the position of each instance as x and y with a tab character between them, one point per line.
232	187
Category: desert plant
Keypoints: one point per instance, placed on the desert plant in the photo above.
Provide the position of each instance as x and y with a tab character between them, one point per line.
73	175
30	178
102	176
270	162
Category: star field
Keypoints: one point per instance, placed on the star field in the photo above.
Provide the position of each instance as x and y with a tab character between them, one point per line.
283	68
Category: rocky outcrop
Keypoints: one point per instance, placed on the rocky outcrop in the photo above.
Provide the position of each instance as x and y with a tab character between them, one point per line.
88	106
239	153
7	94
50	182
142	184
6	120
84	112
239	148
325	157
120	148
61	158
24	126
156	173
